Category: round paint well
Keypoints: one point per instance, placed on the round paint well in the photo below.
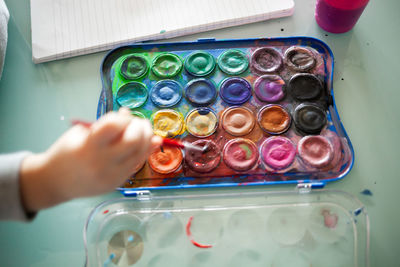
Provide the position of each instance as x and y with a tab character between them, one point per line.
240	154
309	118
201	122
238	121
315	151
328	223
134	67
266	60
286	226
167	123
166	93
299	58
233	62
200	92
165	161
235	90
274	119
269	88
205	161
138	114
200	63
278	152
132	95
166	65
304	86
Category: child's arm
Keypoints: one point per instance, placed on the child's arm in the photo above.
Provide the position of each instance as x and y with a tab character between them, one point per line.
86	161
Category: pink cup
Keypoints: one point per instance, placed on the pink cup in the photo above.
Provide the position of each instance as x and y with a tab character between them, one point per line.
338	16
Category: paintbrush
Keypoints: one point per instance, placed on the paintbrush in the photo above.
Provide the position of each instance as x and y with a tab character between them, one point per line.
166	141
183	145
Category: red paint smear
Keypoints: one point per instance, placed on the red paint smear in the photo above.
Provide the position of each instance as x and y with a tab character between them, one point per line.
189	234
106	211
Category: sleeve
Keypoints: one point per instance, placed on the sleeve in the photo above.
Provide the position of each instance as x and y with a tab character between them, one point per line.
11	207
4	16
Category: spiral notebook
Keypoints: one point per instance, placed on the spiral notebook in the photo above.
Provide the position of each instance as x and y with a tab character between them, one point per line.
67	28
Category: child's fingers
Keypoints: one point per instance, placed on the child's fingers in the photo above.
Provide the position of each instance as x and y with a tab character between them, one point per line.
109	128
134	140
156	142
124	111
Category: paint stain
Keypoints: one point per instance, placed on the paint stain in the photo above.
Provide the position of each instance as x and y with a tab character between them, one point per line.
108	261
330	219
366	192
189	234
105	212
162	31
282	29
342	79
358	211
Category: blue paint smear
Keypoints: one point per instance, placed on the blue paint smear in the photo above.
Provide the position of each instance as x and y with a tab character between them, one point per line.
358	211
108	261
367	192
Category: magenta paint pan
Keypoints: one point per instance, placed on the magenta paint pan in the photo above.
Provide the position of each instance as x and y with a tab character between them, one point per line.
278	152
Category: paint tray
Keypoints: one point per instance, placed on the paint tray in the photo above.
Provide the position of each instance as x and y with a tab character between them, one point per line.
259	228
290	76
302	227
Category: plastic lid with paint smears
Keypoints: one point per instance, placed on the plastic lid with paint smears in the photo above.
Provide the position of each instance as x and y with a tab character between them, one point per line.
274	119
201	122
309	118
166	161
167	123
315	151
200	92
205	161
304	86
132	95
269	88
166	65
278	152
240	154
266	60
299	58
235	90
166	93
200	63
238	121
233	62
134	67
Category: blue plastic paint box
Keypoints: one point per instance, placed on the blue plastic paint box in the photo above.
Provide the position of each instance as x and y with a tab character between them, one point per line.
265	110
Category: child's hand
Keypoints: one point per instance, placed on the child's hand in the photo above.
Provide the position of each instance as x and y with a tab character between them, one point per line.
87	161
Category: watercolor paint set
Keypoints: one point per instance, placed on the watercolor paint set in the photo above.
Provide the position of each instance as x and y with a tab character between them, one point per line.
262	109
245	112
